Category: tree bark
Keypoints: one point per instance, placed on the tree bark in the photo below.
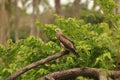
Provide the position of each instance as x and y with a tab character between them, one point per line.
95	4
94	73
34	30
3	25
16	21
74	10
58	8
35	64
9	25
9	12
117	10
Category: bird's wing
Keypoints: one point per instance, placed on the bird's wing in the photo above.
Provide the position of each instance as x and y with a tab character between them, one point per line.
66	42
67	38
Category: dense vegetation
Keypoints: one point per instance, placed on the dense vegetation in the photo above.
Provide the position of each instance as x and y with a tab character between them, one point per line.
97	44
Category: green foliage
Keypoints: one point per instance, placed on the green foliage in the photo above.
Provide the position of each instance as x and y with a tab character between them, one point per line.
24	52
93	43
106	13
107	7
82	78
92	16
96	44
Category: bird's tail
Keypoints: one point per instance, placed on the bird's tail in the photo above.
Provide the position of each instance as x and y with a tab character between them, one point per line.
76	54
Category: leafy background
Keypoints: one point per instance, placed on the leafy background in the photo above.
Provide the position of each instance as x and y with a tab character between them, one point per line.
94	44
97	44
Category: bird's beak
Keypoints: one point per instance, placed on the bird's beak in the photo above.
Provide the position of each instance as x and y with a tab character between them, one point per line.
55	30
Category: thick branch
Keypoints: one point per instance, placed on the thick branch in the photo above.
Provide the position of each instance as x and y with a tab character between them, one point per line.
114	74
95	73
35	64
73	73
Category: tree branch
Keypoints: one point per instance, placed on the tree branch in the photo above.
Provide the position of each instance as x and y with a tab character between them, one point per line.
35	64
95	73
114	74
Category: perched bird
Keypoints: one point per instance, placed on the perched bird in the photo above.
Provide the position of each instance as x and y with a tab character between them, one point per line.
66	42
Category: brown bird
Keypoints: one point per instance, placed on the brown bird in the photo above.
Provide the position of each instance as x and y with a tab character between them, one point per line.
66	42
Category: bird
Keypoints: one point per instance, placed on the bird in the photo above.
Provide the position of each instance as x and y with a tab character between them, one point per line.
66	42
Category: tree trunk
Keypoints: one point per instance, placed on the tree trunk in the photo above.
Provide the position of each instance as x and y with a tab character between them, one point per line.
8	26
36	17
94	4
34	30
9	13
86	4
58	8
117	10
16	22
74	10
3	23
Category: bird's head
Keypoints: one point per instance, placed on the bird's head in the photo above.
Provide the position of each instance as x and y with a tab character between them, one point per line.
58	31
